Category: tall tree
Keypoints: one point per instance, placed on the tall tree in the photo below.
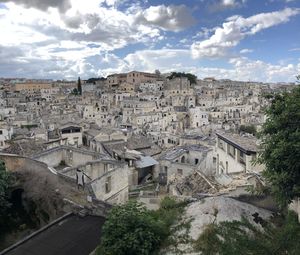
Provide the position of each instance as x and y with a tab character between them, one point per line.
79	88
280	153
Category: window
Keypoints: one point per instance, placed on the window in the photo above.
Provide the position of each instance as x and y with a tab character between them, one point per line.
231	151
221	144
196	161
108	184
242	159
1	132
179	171
165	170
130	162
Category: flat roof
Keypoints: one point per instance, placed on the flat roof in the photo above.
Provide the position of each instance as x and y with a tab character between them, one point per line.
246	144
72	235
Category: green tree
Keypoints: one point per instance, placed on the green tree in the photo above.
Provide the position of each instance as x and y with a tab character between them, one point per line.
251	129
94	80
241	237
75	91
5	182
131	229
191	77
280	146
79	88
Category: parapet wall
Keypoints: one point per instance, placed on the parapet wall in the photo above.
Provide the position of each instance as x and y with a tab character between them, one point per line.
15	163
70	155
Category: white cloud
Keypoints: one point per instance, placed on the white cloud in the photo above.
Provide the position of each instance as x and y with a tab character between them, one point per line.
237	28
221	5
241	68
44	42
62	5
257	70
51	43
173	17
56	62
228	2
245	51
164	59
295	49
109	27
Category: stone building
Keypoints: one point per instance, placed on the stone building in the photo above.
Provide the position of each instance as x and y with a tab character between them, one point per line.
236	154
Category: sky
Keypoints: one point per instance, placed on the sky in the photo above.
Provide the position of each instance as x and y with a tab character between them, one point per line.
248	40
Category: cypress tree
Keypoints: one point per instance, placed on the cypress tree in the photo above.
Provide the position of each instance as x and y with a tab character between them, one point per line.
79	89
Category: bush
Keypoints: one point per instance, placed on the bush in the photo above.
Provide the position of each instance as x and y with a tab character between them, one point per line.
248	129
5	182
132	229
227	238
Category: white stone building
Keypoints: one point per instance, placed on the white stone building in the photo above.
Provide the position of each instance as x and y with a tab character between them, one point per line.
236	154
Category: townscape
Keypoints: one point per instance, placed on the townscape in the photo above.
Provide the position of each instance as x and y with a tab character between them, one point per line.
149	127
135	128
135	135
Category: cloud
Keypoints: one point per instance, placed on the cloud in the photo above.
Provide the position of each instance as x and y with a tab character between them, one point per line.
221	5
72	59
57	45
204	33
240	68
245	51
82	41
237	28
110	28
62	5
66	60
164	59
294	49
173	17
247	69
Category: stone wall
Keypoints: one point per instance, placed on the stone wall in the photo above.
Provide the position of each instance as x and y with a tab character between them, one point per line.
119	186
16	163
71	156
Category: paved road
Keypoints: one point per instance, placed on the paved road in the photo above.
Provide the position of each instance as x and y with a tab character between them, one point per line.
72	236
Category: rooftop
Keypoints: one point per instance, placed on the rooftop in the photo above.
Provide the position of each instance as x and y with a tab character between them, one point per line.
247	144
180	150
71	235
